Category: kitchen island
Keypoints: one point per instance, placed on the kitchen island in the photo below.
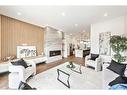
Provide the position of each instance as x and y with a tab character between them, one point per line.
82	52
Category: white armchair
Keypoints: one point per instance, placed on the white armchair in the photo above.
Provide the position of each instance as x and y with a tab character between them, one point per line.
19	73
97	64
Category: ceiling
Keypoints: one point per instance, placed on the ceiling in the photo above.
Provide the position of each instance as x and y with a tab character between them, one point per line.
70	19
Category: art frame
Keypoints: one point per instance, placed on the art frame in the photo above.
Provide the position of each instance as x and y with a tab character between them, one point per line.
104	43
26	51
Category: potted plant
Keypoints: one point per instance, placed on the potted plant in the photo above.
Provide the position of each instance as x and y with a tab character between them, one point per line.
118	45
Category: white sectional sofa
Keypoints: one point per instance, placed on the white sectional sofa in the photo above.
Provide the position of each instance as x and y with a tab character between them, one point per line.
39	59
19	73
4	67
108	76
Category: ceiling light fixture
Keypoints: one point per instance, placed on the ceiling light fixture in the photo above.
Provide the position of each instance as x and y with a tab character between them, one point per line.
18	13
76	25
63	14
84	30
47	24
105	14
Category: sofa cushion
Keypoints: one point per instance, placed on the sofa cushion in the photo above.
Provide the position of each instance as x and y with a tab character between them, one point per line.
94	56
20	62
117	67
91	63
119	80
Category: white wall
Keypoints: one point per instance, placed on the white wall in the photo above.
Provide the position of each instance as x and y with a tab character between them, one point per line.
116	26
125	25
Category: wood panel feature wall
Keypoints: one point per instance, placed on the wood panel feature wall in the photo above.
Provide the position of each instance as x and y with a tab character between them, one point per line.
15	32
0	37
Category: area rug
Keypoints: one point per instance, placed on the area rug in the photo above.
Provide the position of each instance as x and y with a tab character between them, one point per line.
89	79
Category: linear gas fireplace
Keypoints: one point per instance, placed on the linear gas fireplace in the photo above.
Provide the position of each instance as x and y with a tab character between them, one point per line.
54	53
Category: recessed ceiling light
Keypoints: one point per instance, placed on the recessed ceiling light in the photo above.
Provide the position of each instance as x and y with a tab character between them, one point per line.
84	30
61	30
105	14
47	24
76	25
63	14
18	13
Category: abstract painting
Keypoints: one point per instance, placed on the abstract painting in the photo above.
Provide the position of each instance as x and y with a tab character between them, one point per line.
26	51
104	43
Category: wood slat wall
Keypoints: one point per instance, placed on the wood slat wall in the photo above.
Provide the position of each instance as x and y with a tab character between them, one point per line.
0	37
15	32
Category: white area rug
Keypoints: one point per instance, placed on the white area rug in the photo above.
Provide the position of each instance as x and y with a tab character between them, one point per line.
89	79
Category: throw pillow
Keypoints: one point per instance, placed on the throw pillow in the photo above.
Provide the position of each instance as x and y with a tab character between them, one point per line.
118	80
20	62
94	56
25	86
125	72
117	67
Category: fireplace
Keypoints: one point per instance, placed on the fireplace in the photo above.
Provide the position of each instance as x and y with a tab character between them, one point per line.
54	53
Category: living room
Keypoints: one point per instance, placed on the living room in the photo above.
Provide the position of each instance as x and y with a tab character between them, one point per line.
58	47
